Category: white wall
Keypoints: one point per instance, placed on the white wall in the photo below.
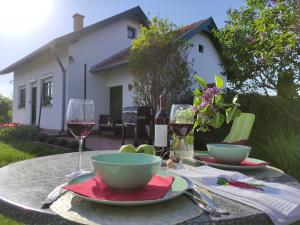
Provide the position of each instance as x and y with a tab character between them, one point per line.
120	77
93	48
206	64
42	67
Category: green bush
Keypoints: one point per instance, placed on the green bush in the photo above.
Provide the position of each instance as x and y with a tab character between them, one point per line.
282	151
41	137
5	109
72	144
275	135
61	142
22	132
51	140
276	132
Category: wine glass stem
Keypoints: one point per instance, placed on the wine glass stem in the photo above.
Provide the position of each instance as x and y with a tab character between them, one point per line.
80	151
181	150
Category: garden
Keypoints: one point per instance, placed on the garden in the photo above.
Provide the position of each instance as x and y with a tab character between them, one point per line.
259	51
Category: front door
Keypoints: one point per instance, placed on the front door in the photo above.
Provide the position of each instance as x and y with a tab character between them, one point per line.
33	105
116	103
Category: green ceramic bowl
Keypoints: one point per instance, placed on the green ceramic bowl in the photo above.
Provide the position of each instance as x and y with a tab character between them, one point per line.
126	171
228	153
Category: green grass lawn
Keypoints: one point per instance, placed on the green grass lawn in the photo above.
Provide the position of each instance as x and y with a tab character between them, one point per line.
13	150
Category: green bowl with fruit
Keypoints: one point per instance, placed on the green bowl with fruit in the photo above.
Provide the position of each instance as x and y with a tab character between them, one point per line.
126	171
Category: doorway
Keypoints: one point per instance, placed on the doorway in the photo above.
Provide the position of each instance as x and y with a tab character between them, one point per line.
116	104
33	105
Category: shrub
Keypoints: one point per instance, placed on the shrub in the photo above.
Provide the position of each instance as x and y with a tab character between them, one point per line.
282	151
51	140
62	142
41	137
276	132
22	132
72	144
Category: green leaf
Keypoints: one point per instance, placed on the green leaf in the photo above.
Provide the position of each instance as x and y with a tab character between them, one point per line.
197	101
219	100
234	100
201	81
196	124
219	81
197	92
232	113
217	121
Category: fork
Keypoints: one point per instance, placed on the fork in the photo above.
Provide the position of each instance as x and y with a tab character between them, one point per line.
204	198
59	190
53	196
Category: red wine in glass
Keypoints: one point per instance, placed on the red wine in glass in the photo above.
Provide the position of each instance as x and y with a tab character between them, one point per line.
80	121
80	129
180	129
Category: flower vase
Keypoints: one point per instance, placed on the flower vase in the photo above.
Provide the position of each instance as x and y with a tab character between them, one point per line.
188	151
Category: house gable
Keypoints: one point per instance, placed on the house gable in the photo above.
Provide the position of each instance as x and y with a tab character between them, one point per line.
135	13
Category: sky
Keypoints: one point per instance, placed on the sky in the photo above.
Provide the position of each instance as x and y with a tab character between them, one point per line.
28	25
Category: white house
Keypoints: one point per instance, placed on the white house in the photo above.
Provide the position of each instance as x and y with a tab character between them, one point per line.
91	62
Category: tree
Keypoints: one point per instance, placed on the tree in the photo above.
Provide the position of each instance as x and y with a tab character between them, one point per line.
5	109
158	63
261	47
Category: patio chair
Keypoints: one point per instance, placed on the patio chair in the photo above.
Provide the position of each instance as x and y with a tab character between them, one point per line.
241	129
107	127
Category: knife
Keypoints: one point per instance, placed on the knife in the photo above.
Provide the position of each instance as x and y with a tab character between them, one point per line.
53	196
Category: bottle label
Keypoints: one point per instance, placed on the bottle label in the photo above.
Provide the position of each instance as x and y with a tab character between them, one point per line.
161	135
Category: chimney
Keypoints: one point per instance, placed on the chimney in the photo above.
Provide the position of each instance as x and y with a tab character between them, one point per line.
77	22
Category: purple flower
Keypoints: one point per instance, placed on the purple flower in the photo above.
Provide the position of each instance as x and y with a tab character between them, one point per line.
208	95
204	103
212	91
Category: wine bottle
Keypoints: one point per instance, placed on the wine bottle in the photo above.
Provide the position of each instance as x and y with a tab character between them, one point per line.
161	131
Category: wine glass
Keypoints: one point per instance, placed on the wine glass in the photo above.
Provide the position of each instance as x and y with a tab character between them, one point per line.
80	121
181	123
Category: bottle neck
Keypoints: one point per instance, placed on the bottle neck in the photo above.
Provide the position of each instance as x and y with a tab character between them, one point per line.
162	103
162	109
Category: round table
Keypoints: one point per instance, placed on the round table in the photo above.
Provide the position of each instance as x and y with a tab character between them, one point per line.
25	184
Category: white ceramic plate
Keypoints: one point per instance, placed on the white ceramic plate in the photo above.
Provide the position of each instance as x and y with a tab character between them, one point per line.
231	167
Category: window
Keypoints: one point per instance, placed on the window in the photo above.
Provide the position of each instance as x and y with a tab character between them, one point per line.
47	92
131	32
201	48
22	97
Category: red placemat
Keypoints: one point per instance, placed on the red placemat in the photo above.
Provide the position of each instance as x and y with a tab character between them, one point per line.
95	188
246	162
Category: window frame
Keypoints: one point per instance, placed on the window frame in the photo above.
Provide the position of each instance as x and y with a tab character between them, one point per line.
47	89
200	48
131	30
21	101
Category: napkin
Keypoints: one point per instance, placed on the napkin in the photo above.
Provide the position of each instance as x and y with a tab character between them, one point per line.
280	202
156	188
246	162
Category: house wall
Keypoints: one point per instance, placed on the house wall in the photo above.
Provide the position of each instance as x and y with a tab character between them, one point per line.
206	64
91	49
120	77
31	74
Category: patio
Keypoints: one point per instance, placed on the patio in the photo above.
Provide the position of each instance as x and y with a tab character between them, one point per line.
94	142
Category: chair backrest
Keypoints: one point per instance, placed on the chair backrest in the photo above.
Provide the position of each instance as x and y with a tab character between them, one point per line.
104	119
241	128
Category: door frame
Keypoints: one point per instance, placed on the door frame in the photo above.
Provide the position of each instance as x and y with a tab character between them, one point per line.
33	85
110	88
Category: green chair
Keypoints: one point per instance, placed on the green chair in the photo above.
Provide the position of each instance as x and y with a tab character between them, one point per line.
240	129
